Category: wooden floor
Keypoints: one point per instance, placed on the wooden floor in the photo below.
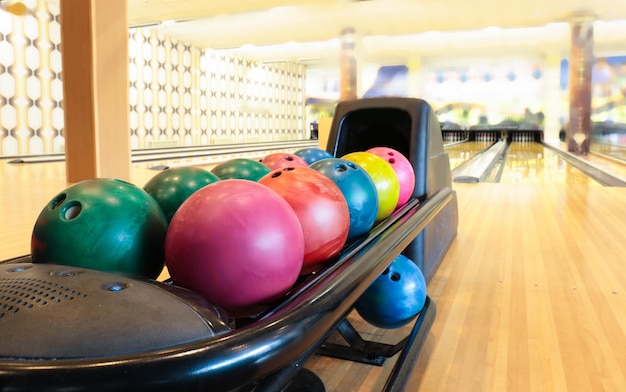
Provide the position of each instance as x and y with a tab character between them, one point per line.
531	296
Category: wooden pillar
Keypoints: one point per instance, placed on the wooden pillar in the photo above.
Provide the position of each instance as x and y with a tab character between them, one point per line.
580	67
94	36
348	65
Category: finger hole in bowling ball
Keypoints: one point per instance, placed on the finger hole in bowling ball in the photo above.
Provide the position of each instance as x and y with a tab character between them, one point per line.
395	277
288	158
386	271
277	174
352	165
392	160
57	201
71	210
288	168
340	167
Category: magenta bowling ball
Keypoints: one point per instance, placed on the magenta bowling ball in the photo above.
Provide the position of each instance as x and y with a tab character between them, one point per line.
279	160
237	243
403	168
357	188
395	297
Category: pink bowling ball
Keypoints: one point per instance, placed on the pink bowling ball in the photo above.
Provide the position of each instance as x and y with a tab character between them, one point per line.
403	168
237	243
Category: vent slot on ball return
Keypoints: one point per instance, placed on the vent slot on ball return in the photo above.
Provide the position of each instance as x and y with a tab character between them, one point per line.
24	293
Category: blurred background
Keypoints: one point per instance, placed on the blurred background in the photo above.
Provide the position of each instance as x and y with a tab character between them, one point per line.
205	72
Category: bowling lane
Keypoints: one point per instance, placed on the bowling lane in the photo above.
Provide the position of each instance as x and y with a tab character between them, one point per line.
613	166
603	160
612	150
459	153
532	163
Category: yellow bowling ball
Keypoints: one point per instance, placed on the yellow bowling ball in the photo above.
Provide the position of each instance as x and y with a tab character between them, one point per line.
384	177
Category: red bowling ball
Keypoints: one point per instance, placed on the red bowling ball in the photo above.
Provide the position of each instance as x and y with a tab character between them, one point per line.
237	243
403	169
279	160
321	208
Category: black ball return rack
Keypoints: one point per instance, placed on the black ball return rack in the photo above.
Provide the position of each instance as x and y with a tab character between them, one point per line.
141	346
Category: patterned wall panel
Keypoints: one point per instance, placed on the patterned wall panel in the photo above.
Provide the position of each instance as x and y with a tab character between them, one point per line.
179	95
31	114
163	89
183	96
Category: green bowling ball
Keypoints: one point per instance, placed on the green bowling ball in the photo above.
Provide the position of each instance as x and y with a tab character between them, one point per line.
103	224
171	187
241	168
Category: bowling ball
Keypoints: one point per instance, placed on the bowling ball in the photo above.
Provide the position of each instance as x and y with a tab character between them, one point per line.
282	159
403	169
395	297
313	154
320	207
357	188
171	187
238	244
384	177
104	224
240	168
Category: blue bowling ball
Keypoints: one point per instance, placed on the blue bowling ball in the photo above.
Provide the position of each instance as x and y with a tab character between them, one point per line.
395	297
357	188
312	154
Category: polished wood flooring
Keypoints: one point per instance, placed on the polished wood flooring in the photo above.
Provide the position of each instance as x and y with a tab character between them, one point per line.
531	296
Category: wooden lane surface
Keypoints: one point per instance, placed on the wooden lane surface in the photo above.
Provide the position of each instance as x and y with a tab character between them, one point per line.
531	296
610	158
532	163
616	167
460	153
532	299
24	190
